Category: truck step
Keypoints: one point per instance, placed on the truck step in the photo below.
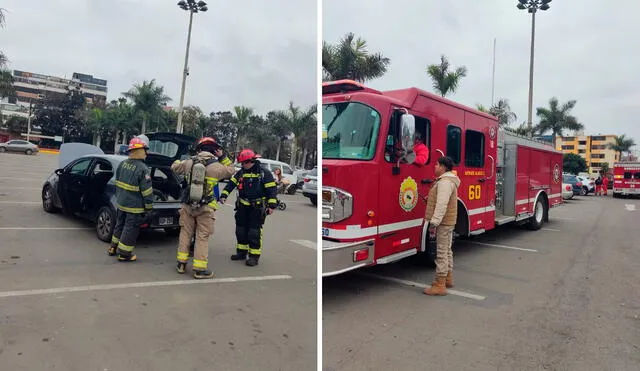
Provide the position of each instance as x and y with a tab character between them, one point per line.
504	219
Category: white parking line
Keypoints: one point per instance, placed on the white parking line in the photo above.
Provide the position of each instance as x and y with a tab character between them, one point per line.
555	217
44	228
32	179
306	243
551	229
503	246
630	207
5	187
59	290
20	202
422	285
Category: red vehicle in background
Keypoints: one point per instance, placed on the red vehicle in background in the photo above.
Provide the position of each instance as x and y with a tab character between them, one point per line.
373	194
626	179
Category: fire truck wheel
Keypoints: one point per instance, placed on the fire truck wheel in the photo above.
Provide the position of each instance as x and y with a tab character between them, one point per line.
539	213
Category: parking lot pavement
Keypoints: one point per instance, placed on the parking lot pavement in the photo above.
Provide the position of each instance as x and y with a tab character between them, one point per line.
69	306
562	298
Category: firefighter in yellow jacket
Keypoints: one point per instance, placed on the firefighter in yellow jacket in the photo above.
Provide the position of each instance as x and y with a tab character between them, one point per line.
199	203
441	214
134	197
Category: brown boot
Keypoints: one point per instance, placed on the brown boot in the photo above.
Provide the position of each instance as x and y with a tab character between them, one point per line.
448	282
439	288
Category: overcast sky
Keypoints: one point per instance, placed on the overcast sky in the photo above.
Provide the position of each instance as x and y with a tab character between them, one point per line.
252	52
600	69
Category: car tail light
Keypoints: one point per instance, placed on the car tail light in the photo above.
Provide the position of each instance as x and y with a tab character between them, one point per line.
568	188
306	180
144	225
579	184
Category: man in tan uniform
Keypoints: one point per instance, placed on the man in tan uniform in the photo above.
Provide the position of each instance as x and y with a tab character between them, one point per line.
199	219
442	212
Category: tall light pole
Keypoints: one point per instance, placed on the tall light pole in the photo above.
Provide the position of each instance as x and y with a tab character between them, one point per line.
192	7
532	6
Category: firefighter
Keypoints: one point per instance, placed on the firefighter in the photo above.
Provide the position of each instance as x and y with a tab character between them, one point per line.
199	203
256	199
421	150
441	214
134	197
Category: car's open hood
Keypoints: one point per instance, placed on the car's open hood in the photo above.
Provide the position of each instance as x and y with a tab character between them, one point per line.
167	147
71	151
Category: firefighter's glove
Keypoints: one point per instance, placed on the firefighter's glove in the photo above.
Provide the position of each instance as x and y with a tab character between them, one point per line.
270	211
219	153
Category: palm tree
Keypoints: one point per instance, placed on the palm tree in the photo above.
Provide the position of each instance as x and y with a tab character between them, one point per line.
242	116
349	59
445	81
303	123
524	130
622	144
147	99
502	110
557	118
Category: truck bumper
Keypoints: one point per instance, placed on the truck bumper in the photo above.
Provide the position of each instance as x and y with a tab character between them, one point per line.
162	218
341	257
626	191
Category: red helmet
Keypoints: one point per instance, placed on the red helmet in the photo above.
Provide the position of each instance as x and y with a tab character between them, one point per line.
246	155
136	143
207	141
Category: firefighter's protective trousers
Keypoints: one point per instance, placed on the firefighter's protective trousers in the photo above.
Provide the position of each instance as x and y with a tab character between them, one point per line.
125	233
249	221
199	221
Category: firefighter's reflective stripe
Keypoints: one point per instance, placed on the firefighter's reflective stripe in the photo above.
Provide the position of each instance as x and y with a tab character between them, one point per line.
245	202
183	257
211	183
199	264
270	184
272	201
225	161
250	175
242	247
147	191
133	210
124	247
234	180
127	187
259	249
148	206
114	239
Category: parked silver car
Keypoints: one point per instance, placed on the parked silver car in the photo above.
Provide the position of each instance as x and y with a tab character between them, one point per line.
18	145
310	186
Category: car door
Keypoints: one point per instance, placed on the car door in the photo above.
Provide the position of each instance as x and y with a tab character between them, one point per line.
74	181
12	145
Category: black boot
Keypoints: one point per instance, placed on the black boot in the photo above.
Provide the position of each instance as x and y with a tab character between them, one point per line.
112	250
253	260
125	256
181	267
239	255
202	274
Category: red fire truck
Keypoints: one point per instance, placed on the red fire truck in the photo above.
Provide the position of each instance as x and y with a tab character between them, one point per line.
373	194
626	179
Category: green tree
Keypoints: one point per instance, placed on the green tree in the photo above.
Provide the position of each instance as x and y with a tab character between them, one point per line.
148	99
301	122
221	125
574	164
622	144
523	130
17	125
604	169
444	80
243	125
350	59
61	114
557	118
502	110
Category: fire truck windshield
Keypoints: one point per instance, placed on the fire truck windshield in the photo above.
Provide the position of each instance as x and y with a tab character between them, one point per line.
349	131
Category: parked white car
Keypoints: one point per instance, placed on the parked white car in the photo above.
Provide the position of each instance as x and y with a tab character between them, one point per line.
567	191
588	185
310	186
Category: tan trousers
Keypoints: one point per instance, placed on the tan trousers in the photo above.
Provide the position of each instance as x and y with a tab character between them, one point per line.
199	221
444	258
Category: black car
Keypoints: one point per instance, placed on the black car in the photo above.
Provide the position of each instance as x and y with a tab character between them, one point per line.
84	185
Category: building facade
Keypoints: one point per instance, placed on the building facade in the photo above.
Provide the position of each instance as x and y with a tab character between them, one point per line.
593	148
31	87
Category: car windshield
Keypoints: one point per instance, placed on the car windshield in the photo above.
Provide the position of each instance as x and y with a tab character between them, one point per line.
349	131
168	149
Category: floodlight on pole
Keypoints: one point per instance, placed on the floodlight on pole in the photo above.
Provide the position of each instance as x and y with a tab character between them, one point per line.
532	7
192	7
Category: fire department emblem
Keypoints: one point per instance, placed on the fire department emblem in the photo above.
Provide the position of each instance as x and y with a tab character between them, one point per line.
408	194
556	173
492	132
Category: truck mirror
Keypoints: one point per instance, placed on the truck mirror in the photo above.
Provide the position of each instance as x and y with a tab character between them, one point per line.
407	131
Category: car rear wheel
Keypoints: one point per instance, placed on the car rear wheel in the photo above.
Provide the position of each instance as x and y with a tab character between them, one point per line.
584	191
105	223
47	200
29	152
2	149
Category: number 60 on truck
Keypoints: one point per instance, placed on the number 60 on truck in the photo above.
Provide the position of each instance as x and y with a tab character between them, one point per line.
373	193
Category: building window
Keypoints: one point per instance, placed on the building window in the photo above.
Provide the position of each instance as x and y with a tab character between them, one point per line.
454	143
597	147
582	142
569	139
599	138
597	155
474	149
567	147
582	151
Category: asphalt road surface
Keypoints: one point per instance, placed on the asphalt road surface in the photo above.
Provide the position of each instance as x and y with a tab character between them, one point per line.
66	305
562	298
